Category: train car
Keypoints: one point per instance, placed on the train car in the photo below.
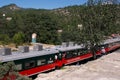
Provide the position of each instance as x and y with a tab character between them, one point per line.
31	62
74	53
77	53
111	44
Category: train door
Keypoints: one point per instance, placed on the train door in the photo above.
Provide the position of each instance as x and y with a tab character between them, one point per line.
59	60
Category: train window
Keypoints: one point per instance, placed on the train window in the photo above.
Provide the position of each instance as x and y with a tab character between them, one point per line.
59	56
106	46
71	54
19	66
50	60
41	62
30	64
84	51
110	45
74	53
79	52
68	55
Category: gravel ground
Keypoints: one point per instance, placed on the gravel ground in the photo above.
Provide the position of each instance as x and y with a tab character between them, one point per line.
105	68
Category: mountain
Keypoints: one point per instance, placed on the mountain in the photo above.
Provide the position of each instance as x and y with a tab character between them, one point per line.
10	8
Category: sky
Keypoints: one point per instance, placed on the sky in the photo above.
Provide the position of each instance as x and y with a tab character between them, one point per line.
42	4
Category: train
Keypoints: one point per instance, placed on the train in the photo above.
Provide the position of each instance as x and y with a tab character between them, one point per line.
40	60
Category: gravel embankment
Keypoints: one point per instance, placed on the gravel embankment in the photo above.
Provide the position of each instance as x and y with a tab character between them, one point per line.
105	68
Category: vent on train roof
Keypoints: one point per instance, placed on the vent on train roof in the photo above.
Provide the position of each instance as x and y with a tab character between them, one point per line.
5	51
38	47
71	44
76	44
23	49
65	44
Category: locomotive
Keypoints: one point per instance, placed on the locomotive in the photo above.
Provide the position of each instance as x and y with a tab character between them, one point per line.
40	60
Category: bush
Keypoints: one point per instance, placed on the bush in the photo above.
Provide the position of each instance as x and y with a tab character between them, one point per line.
18	38
9	69
4	39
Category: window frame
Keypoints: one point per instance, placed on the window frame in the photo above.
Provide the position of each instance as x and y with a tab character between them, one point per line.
41	62
30	64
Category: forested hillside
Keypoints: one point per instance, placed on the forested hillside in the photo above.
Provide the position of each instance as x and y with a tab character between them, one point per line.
77	23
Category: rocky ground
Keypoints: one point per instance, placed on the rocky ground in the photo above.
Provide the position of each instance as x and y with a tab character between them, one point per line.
105	68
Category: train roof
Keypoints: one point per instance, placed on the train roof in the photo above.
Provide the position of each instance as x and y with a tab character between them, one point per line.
108	41
19	55
68	48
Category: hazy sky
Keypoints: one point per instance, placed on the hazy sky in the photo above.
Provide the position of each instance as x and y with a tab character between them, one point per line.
46	4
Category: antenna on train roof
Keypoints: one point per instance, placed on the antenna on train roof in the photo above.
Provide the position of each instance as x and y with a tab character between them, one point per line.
71	44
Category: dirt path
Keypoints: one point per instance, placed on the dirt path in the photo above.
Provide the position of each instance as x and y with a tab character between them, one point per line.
105	68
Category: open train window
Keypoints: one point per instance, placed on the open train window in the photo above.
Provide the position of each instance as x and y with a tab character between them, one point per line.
19	66
41	62
30	64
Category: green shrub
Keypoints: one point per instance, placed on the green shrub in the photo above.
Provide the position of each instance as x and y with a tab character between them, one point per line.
18	38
